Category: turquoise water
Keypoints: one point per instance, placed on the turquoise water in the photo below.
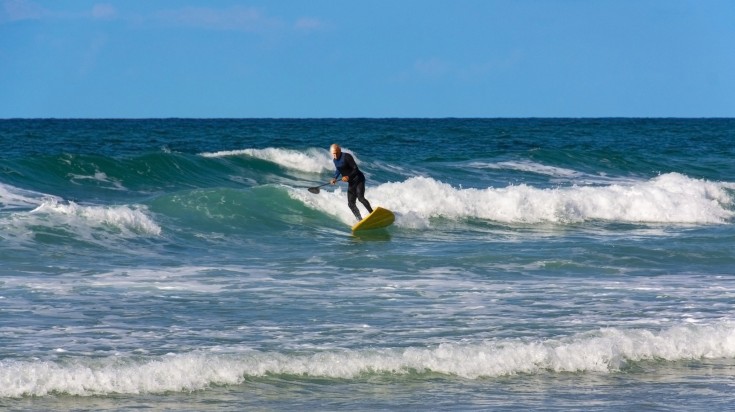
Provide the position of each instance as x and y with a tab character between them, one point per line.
553	264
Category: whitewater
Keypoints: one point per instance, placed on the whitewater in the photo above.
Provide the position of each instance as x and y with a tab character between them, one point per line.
554	264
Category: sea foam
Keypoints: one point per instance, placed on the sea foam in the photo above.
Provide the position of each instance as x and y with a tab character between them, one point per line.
669	198
528	166
12	197
123	218
557	174
604	351
311	160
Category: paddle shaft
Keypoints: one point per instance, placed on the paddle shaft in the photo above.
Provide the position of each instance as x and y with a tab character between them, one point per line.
315	189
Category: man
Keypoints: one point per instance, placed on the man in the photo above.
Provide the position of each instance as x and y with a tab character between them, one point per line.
346	166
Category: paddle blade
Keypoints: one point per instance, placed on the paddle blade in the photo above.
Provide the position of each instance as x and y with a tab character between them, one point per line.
314	190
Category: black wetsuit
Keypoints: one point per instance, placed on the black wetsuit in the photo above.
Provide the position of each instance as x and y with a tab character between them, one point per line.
346	166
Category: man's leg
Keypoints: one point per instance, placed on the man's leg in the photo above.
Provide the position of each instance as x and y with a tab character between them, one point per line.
351	203
360	193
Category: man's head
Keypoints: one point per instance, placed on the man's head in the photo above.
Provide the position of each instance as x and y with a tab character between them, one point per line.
335	150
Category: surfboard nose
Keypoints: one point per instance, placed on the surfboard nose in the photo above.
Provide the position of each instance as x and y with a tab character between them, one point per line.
379	218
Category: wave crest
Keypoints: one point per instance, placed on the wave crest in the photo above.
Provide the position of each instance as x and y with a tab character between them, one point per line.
312	160
669	198
605	351
123	218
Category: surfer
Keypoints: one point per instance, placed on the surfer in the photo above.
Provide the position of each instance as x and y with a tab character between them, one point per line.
346	166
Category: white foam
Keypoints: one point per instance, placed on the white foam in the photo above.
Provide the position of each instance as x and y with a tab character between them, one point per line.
329	201
669	198
100	177
528	166
557	174
194	279
30	211
311	160
143	281
604	351
12	197
109	375
124	218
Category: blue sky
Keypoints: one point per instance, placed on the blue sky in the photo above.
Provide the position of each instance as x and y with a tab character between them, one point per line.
367	58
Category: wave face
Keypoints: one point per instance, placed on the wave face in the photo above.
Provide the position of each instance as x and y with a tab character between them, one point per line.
607	351
184	264
670	198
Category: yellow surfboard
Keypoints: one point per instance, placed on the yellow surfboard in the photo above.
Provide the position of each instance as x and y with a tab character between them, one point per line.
376	220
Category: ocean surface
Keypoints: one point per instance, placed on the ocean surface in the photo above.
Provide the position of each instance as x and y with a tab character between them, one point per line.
182	264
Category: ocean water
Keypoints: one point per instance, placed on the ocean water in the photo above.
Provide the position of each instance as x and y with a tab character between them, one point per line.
181	264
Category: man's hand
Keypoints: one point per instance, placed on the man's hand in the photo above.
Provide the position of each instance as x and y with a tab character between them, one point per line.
345	178
333	181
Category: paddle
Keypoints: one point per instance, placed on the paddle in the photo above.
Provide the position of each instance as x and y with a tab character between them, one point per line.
315	189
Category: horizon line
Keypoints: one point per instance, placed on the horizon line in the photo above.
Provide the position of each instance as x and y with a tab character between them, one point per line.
377	118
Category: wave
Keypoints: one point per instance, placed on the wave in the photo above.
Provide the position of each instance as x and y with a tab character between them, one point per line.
12	198
557	174
93	176
255	211
33	210
671	198
311	160
528	166
124	218
667	199
606	351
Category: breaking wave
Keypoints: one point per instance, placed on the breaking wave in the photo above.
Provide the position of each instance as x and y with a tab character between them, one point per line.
604	351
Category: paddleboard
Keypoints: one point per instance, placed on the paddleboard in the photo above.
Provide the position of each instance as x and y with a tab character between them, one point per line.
378	219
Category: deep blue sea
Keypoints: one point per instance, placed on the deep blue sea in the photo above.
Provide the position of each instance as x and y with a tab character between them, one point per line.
182	264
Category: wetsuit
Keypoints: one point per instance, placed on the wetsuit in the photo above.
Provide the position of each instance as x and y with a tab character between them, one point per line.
346	166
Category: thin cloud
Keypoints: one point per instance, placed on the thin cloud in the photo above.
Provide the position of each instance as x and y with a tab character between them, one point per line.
431	68
435	69
491	67
308	24
104	11
18	10
234	18
23	10
92	54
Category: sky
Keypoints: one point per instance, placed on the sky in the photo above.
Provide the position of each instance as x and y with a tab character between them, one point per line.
367	58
